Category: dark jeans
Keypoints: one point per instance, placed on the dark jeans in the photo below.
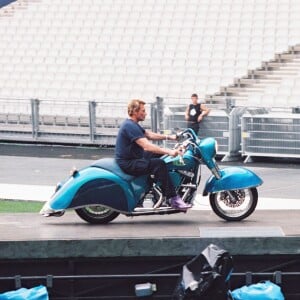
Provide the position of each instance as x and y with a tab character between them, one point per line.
155	166
194	126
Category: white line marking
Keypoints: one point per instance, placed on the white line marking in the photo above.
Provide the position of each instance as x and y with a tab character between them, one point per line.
43	193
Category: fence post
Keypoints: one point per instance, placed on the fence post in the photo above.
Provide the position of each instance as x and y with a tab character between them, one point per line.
230	104
35	108
92	119
153	117
160	113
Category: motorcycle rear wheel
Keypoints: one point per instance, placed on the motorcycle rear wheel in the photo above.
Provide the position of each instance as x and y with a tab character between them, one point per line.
96	214
243	205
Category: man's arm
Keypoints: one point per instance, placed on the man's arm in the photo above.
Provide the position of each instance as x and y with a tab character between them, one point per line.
150	147
205	111
150	135
186	114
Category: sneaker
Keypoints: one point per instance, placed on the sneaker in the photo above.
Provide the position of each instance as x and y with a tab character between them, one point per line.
177	203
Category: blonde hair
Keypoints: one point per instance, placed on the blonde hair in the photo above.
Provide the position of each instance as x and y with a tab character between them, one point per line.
134	106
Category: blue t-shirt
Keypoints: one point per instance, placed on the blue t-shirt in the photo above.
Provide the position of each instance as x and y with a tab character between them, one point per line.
126	148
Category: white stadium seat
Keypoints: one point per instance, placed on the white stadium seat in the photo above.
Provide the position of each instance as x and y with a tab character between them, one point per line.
82	40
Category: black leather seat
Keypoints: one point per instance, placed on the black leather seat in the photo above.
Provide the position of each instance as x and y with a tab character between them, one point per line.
111	165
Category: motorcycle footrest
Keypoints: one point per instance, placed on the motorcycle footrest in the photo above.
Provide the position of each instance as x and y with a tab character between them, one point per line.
54	214
149	209
191	186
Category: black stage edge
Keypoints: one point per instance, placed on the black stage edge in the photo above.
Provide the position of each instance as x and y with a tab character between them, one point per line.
110	268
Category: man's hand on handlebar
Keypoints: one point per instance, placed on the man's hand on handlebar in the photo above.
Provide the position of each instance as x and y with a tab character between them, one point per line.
172	152
173	137
179	150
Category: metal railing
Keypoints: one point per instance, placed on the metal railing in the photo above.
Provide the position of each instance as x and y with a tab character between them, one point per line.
274	134
62	122
222	124
122	286
239	131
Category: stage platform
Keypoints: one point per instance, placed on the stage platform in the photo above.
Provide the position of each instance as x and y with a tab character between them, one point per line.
25	236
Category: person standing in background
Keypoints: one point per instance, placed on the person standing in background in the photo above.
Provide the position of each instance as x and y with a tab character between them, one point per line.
194	113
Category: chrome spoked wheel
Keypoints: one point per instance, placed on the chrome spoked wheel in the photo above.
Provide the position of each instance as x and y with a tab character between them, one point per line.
97	214
234	205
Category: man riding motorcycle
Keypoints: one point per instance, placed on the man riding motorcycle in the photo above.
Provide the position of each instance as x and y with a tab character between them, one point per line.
135	153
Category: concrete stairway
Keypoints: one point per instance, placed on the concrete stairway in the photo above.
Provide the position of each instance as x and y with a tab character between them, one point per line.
267	82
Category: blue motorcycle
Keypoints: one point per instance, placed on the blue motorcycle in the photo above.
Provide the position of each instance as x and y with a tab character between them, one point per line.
102	191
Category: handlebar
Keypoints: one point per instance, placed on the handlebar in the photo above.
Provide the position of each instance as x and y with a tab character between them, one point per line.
189	138
187	133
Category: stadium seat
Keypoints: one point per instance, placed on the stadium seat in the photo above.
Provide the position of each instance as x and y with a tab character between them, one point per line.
83	40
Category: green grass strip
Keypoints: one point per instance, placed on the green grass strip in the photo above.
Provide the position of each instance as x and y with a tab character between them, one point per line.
15	206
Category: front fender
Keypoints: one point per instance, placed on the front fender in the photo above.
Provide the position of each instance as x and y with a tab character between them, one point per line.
232	178
79	188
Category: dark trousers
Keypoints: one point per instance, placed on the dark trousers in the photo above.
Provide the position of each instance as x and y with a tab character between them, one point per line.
194	126
151	166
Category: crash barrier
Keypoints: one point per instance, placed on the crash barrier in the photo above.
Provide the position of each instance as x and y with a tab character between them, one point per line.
222	124
62	122
271	133
125	286
246	131
238	130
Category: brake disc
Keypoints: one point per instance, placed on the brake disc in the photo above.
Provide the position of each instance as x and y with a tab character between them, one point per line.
239	198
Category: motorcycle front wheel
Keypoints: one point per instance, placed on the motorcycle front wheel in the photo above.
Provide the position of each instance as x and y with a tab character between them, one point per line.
234	205
97	214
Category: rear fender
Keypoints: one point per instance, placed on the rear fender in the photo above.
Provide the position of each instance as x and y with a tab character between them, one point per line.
232	178
91	186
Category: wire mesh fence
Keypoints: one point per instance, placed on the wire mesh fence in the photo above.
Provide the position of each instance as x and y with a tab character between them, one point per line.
275	134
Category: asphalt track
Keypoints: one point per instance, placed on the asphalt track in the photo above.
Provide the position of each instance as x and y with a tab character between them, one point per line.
272	228
44	166
30	172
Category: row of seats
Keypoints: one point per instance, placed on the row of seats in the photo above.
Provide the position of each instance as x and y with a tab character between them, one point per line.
273	101
116	49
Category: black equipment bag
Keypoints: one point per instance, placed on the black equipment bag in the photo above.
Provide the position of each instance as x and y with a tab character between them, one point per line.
206	276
